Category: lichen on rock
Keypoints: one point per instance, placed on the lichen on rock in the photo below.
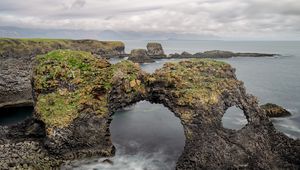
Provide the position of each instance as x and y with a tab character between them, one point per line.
140	56
71	89
65	82
273	110
16	57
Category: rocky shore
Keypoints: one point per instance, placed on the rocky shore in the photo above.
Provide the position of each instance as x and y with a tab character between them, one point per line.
16	56
76	94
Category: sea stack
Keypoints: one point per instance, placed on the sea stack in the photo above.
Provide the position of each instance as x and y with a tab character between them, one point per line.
155	50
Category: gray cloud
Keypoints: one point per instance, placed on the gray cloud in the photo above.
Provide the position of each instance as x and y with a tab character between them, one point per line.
78	4
226	18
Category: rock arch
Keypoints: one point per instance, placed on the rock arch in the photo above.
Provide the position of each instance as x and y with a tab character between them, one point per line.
76	102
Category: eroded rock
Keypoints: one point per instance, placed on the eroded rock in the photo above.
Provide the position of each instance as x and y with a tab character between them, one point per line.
273	110
16	57
140	56
219	54
76	95
155	50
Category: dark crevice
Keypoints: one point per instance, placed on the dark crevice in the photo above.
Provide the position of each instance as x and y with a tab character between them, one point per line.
14	115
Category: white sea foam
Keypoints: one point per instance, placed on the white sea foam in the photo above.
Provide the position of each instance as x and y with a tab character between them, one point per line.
140	161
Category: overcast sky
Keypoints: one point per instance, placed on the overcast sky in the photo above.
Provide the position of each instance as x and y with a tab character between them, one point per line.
262	19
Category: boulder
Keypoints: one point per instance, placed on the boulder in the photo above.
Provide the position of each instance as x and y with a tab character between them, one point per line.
273	110
155	50
140	56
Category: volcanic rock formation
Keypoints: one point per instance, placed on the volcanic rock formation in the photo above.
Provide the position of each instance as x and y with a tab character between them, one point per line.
76	95
140	56
155	50
273	110
16	62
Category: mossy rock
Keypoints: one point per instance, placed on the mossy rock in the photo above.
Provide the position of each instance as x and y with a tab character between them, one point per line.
30	47
197	80
68	83
273	110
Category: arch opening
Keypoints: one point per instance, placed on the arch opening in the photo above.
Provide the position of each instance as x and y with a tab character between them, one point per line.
146	136
234	118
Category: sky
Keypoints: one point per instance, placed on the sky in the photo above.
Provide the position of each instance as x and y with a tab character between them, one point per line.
231	19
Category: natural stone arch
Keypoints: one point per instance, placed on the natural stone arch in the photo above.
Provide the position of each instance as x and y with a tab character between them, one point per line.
157	131
76	104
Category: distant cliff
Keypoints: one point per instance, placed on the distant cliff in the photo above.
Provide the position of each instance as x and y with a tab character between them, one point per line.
16	57
27	48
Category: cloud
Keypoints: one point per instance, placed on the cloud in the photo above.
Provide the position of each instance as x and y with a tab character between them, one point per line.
225	18
78	4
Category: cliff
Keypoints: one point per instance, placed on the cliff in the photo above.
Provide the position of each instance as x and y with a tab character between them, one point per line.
76	95
16	57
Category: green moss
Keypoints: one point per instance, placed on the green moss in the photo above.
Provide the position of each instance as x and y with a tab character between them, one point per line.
69	83
71	77
196	81
26	47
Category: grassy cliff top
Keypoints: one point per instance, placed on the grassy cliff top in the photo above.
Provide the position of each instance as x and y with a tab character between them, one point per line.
197	81
68	83
11	47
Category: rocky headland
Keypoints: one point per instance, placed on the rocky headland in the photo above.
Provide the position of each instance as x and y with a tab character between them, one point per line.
218	54
155	51
76	94
16	56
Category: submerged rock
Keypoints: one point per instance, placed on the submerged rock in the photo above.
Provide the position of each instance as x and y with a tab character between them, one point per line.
76	95
273	110
155	50
140	56
108	161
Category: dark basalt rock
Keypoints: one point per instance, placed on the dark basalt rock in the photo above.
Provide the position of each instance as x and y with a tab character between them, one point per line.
176	55
16	62
219	54
186	55
108	161
155	50
197	91
140	56
273	110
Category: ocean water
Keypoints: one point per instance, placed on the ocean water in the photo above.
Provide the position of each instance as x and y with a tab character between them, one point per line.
149	137
270	79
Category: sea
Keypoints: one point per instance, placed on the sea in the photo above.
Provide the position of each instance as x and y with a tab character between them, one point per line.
150	137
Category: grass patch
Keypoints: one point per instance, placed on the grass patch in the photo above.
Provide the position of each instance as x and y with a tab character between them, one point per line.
69	83
197	80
